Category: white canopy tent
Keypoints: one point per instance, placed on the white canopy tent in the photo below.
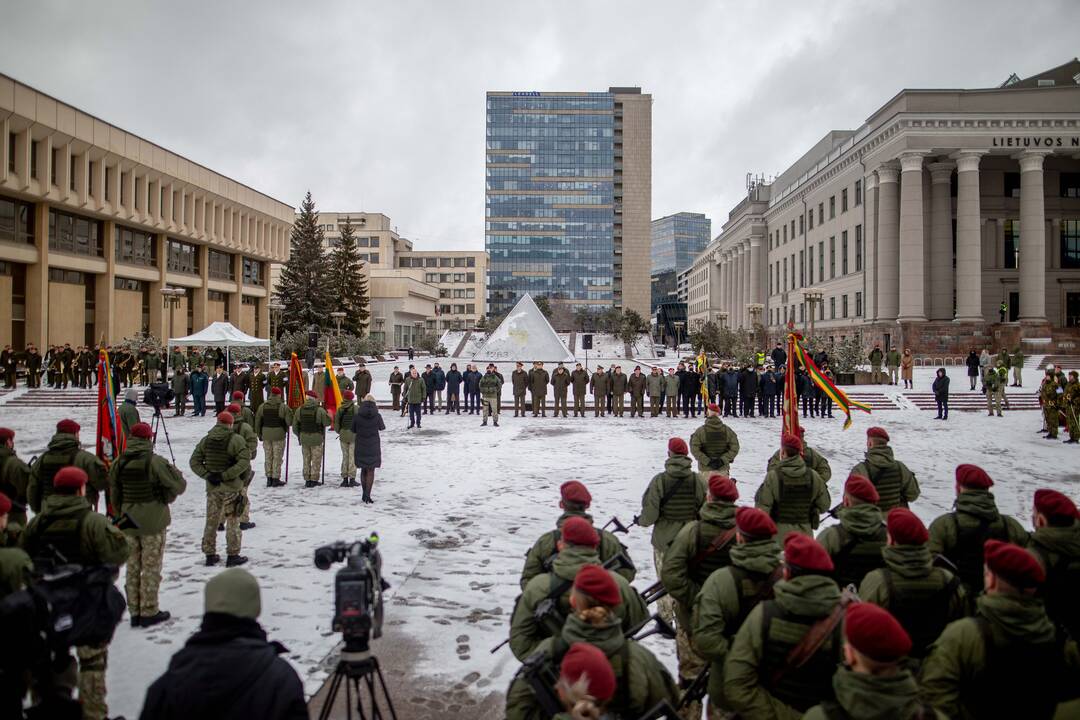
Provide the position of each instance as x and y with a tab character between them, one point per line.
218	334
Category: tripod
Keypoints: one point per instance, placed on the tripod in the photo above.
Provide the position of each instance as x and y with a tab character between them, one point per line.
159	422
353	667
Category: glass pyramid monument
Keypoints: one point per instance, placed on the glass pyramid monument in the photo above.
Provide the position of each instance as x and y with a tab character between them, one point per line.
524	335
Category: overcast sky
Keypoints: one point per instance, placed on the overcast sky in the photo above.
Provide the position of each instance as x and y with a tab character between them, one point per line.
379	106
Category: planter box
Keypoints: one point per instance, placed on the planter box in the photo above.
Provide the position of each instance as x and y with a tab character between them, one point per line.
845	378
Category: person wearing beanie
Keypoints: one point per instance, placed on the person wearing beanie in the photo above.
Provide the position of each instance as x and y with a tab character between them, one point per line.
222	459
730	593
67	526
246	430
342	422
923	597
855	543
129	411
811	457
219	388
874	682
574	500
14	478
673	498
959	535
594	613
310	421
701	547
1006	660
714	445
793	494
1056	545
453	390
895	483
272	421
806	595
142	485
577	548
228	663
64	450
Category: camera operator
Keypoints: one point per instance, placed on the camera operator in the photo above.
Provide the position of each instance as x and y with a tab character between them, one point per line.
228	668
69	527
64	450
221	458
128	412
141	486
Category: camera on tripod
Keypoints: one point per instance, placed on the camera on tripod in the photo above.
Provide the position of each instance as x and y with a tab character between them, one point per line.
358	589
158	395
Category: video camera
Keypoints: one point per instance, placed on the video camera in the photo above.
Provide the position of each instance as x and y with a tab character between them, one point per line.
158	395
358	589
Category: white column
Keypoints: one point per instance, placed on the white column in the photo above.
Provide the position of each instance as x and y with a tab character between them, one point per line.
941	254
756	296
968	239
1032	237
888	243
738	284
725	283
747	263
912	287
870	184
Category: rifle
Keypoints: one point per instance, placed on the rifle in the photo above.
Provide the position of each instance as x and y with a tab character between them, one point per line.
541	679
814	638
835	510
125	522
654	592
697	689
619	527
662	628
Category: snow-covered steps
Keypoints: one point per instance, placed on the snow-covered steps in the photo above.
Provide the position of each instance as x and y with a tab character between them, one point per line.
876	400
1067	362
972	401
49	397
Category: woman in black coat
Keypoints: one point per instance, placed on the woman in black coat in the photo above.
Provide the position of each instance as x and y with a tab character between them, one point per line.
973	368
367	450
941	394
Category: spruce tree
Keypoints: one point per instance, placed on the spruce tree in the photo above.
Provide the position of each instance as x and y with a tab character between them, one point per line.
348	286
304	288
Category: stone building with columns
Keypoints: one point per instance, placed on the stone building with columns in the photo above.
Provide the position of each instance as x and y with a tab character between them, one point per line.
945	208
95	222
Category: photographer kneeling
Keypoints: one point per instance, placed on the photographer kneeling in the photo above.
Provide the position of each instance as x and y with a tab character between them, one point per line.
228	668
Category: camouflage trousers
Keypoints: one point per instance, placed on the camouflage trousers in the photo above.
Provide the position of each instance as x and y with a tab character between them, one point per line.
490	404
1052	418
665	606
246	515
313	455
348	462
690	665
144	573
223	506
274	451
993	400
92	662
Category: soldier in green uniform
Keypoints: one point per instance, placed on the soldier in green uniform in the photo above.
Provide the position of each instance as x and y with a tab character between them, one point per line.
276	378
15	569
396	381
596	615
520	381
793	494
257	387
574	499
151	366
246	430
810	456
14	476
343	424
1005	661
245	412
10	532
538	382
272	421
63	450
673	498
892	362
654	386
855	543
68	526
491	394
531	623
700	548
730	593
1017	363
896	485
128	411
960	535
176	360
671	390
362	381
714	445
1070	401
560	383
619	384
636	384
310	421
142	485
875	358
580	380
994	391
180	390
1002	358
1056	545
222	459
1050	395
343	382
600	385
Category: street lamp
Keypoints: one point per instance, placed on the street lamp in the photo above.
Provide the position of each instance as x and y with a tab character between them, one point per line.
275	323
755	311
338	317
722	316
679	325
170	298
812	298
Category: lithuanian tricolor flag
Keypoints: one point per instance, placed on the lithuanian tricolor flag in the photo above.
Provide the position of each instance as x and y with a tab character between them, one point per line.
831	391
331	391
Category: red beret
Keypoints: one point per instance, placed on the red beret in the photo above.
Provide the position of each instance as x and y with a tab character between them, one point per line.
347	395
806	553
141	430
722	488
69	477
575	492
677	446
754	523
905	527
6	434
873	631
1013	563
587	662
878	432
972	476
233	408
578	531
598	583
67	426
275	391
238	395
860	488
5	504
1053	504
311	393
791	442
226	417
713	407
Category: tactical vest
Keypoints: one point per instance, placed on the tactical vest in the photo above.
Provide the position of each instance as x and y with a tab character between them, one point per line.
888	484
216	452
1035	667
804	686
309	420
753	588
272	417
1061	589
62	535
52	463
347	418
720	557
857	556
967	554
793	505
135	479
921	605
680	503
716	444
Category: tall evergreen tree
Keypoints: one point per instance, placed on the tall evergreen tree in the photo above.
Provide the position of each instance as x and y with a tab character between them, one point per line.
304	288
349	291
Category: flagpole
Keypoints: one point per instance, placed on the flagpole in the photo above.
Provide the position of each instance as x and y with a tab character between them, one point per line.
288	437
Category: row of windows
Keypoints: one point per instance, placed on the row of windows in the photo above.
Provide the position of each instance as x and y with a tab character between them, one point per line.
467	309
780	316
781	281
450	278
128	284
780	235
74	234
135	247
253	272
457	293
442	262
16	221
220	265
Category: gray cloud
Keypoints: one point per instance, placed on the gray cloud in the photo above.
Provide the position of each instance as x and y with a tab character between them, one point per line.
380	106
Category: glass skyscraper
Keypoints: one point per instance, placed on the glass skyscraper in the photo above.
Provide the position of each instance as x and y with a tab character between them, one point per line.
676	240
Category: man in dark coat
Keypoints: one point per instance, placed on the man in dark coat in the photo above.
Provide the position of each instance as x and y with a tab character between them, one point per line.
199	382
8	365
428	378
748	386
219	388
689	386
767	386
471	381
438	375
973	369
180	390
453	390
257	385
778	356
229	663
731	392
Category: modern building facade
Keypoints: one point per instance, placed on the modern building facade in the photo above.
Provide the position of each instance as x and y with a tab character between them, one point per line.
377	240
569	198
945	208
676	240
403	306
461	279
95	222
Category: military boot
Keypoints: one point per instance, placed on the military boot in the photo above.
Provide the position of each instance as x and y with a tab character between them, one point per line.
246	525
152	620
234	560
213	559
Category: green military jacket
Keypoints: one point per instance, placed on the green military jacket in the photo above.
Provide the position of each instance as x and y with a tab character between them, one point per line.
682	503
14	479
99	541
345	430
66	445
892	359
247	431
727	440
972	508
637	385
526	632
520	381
879	459
599	384
415	390
538	382
782	482
1002	358
275	405
1055	547
165	484
1017	359
672	382
15	569
812	457
560	380
176	360
861	529
992	380
236	460
343	382
695	537
654	384
580	380
129	417
362	380
860	695
322	418
491	385
544	550
618	383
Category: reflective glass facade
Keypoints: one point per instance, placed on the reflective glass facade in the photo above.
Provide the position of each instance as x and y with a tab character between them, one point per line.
550	198
678	239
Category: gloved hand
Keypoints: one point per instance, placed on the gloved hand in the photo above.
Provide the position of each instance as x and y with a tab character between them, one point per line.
214	478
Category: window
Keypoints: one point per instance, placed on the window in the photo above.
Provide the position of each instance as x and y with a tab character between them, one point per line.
459	262
802	268
446	262
821	261
470	277
843	200
820	213
253	272
249	300
361	242
843	254
1012	244
858	247
183	257
785	275
108	182
431	277
71	174
785	234
832	308
810	263
74	234
832	206
11	152
126	284
90	180
858	304
1012	185
444	309
220	265
858	193
832	257
793	229
802	225
470	308
459	277
792	274
70	277
770	282
135	247
802	312
1070	184
843	306
811	218
470	262
374	242
431	262
216	296
1070	243
33	158
375	258
16	222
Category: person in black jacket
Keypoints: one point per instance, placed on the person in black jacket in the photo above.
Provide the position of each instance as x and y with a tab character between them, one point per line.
748	386
768	387
941	394
779	357
730	382
228	668
689	386
973	368
471	380
367	448
453	390
220	388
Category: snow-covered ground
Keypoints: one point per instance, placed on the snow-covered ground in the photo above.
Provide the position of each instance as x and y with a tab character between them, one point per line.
458	505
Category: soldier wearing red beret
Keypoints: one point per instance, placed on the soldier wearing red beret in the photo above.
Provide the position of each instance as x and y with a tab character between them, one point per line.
574	499
811	457
64	450
793	494
959	535
222	459
1056	544
855	543
714	445
272	420
14	477
895	483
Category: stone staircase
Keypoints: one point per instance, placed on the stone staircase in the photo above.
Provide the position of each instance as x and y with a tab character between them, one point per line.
972	401
52	398
876	400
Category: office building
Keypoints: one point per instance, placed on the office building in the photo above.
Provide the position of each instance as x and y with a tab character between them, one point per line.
676	240
461	279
